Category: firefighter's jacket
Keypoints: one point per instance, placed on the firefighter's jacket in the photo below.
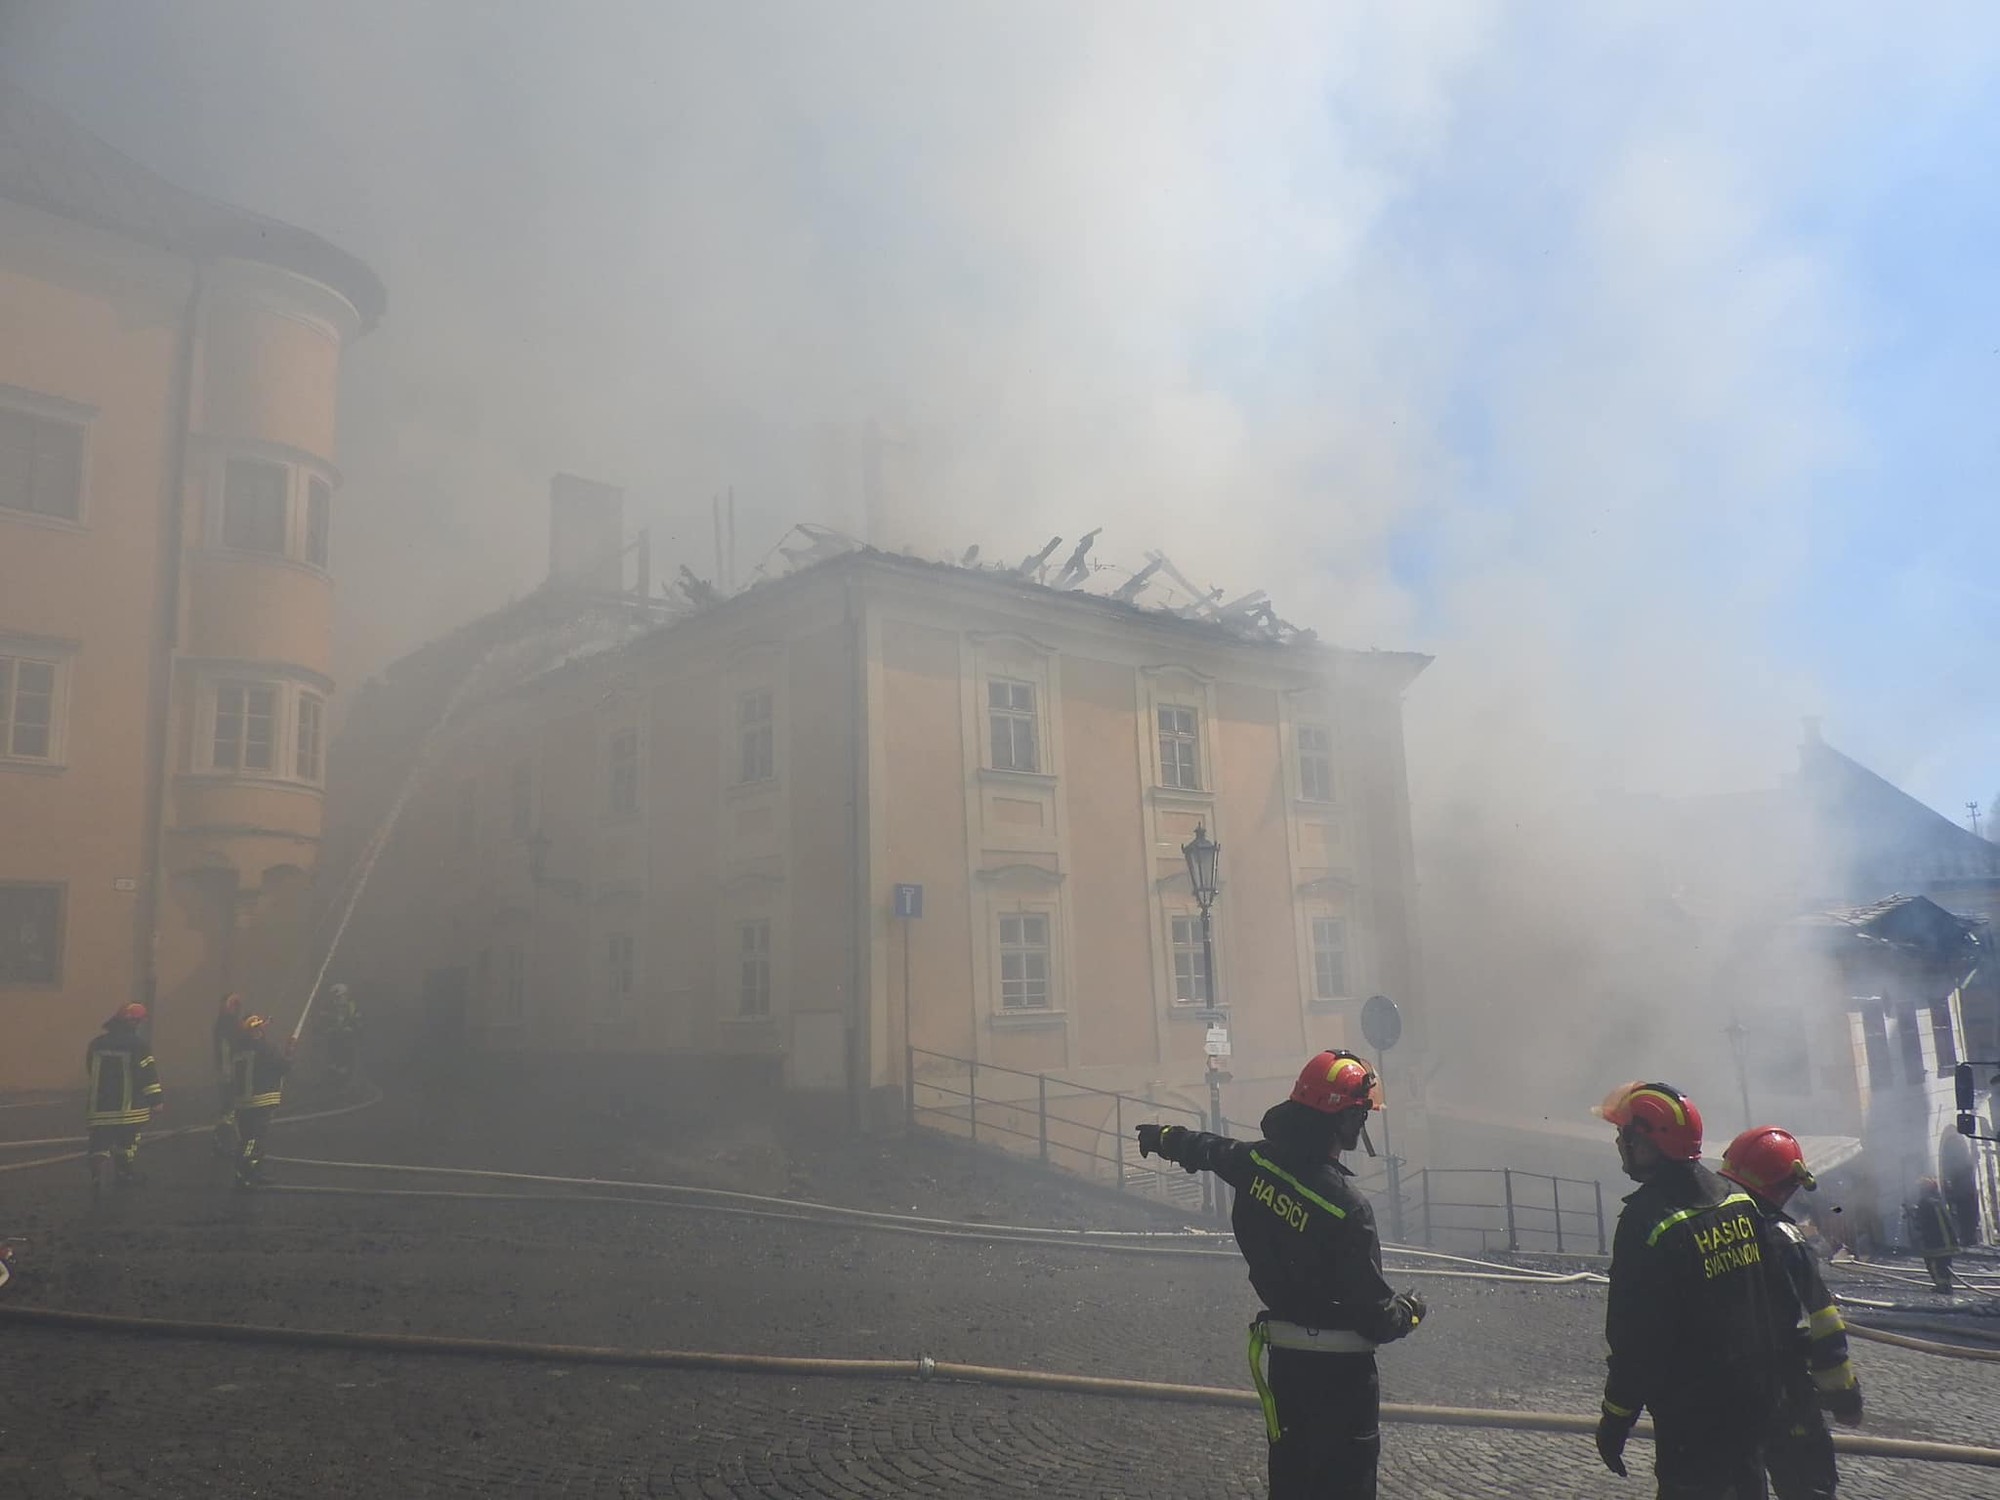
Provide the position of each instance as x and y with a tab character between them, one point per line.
258	1068
1824	1331
1307	1235
1931	1229
124	1080
1701	1314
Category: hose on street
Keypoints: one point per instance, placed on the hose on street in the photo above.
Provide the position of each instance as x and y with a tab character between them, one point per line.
923	1367
153	1137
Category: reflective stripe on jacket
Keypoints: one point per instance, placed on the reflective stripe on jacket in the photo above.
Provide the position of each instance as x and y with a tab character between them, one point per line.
124	1080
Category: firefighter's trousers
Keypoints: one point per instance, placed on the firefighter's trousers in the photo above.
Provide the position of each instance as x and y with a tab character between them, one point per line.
118	1144
1329	1409
1708	1444
252	1123
1799	1452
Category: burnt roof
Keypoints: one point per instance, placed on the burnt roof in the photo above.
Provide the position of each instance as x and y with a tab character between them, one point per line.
49	162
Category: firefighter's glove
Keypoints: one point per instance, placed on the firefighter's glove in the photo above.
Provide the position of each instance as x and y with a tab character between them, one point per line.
1612	1430
1161	1141
1413	1304
1844	1406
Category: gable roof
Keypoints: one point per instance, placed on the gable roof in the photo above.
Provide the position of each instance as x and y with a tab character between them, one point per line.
49	162
1892	841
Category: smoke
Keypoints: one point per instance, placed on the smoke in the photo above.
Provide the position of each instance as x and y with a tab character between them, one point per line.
1523	338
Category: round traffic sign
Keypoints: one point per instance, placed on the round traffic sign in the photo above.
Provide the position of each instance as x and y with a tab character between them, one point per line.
1381	1022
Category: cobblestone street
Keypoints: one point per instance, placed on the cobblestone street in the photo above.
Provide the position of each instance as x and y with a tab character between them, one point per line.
100	1414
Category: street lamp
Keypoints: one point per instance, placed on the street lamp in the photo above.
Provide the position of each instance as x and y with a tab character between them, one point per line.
1201	853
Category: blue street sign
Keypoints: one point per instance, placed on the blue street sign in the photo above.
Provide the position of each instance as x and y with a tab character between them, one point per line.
909	901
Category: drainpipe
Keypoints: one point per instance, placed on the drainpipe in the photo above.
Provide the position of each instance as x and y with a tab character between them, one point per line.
160	687
861	917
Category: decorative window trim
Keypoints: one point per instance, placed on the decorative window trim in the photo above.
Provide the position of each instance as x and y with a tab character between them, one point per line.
301	471
60	658
756	736
1170	916
286	691
1175	686
612	805
618	979
755	990
1051	980
54	981
1350	957
55	410
1006	657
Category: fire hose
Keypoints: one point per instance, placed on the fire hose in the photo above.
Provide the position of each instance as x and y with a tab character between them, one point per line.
373	1099
923	1367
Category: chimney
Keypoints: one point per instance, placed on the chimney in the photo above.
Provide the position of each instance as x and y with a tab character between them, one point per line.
586	535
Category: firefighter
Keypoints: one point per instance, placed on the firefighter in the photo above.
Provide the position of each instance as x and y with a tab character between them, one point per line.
1928	1222
1701	1320
340	1030
124	1092
228	1022
259	1063
1309	1239
1798	1453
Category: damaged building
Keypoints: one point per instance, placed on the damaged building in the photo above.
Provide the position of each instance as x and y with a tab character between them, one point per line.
650	830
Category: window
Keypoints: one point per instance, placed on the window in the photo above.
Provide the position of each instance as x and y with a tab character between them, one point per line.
1329	944
31	934
617	977
522	790
27	708
308	757
1909	1042
41	464
1315	763
753	969
1875	1042
1010	710
467	822
1180	754
755	745
253	505
1941	1038
512	1006
319	520
621	798
246	723
1190	962
1024	961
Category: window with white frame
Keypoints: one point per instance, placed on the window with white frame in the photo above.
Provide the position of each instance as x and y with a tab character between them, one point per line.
41	464
1024	961
1329	954
1191	985
756	740
255	498
319	521
521	790
31	933
309	757
246	727
621	785
1180	747
511	1004
28	707
1013	732
753	968
1315	742
616	1002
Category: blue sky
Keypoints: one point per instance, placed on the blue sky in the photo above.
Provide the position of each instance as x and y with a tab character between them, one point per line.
1640	364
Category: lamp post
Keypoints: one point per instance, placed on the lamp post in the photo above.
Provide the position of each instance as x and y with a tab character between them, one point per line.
1201	853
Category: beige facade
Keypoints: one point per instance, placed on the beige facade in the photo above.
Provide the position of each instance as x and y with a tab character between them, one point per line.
691	844
167	403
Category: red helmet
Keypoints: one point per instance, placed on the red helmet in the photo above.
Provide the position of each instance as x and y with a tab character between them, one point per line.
1768	1162
1335	1081
1666	1115
132	1015
232	1004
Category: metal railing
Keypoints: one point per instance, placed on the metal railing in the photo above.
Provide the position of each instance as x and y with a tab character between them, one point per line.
1528	1212
1069	1125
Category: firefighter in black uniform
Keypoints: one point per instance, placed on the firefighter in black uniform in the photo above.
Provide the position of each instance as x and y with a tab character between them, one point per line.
1701	1320
228	1022
1798	1455
1314	1260
124	1092
259	1064
1932	1230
